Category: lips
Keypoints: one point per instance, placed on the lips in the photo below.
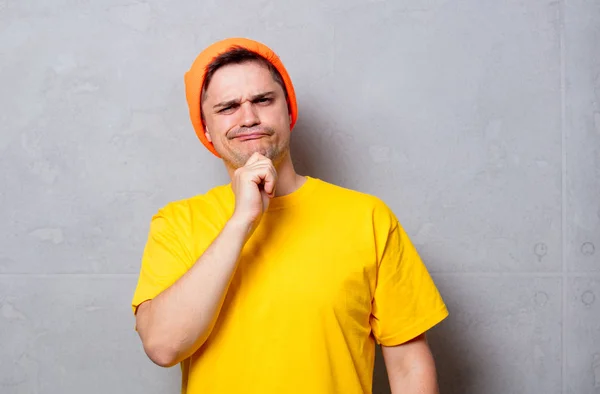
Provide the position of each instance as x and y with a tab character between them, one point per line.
250	136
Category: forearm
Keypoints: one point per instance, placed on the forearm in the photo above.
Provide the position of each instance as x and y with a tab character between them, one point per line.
179	320
419	380
411	367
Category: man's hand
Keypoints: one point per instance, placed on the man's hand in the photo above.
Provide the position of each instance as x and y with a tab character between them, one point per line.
253	186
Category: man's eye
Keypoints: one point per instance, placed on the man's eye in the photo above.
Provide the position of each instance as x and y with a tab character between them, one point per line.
264	100
225	109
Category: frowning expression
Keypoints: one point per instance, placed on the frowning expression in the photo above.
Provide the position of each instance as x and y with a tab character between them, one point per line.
245	111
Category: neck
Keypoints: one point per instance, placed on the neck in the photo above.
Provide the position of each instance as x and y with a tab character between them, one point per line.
288	180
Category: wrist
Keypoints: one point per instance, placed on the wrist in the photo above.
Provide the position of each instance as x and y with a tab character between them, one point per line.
240	225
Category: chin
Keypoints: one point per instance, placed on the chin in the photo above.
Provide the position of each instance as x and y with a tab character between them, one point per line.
266	150
237	158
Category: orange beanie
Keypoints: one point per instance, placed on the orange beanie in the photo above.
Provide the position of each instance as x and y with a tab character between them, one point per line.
194	80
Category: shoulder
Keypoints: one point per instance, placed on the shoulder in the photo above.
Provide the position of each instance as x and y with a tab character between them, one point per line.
357	203
210	204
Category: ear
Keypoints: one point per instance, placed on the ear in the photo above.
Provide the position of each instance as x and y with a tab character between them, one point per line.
207	134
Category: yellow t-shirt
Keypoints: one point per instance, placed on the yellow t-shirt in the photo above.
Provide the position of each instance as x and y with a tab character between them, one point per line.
328	272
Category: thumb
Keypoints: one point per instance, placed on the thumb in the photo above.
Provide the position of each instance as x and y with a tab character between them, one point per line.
265	200
254	158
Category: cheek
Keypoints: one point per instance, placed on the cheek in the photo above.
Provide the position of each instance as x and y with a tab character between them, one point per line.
279	115
219	125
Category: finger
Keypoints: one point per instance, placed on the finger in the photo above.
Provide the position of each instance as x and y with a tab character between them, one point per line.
254	158
256	175
270	180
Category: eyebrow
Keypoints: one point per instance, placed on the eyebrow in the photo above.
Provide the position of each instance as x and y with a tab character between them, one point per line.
229	103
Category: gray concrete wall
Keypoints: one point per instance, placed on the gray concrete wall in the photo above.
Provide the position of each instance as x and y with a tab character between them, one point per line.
477	121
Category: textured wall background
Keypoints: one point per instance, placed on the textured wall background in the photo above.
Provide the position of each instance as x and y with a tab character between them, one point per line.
477	121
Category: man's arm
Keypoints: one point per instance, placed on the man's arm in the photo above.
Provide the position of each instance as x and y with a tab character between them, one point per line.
174	324
411	367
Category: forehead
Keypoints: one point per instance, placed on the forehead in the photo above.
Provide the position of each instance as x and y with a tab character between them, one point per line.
235	80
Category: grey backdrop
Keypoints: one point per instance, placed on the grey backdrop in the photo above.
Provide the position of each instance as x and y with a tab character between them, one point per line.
477	121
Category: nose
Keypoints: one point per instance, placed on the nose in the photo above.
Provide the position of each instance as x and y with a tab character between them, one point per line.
249	115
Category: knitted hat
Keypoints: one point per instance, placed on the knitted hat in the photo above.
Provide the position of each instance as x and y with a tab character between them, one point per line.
194	80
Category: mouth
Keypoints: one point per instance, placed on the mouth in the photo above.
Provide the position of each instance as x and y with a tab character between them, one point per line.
251	136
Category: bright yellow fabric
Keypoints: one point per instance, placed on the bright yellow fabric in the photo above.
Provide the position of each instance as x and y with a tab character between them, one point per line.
328	272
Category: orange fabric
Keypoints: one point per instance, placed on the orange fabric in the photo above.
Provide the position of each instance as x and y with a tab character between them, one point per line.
194	80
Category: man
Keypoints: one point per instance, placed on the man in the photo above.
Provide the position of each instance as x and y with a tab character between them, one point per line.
277	282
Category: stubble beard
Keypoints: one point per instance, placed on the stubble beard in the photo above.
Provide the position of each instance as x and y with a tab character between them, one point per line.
273	152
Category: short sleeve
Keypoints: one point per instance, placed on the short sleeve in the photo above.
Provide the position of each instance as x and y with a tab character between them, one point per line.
165	259
406	301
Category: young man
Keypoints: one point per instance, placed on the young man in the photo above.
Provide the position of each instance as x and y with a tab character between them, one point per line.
278	282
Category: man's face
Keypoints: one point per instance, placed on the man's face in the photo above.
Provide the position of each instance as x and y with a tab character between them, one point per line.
245	111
